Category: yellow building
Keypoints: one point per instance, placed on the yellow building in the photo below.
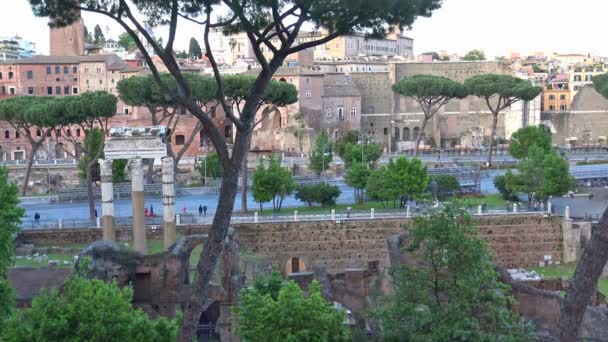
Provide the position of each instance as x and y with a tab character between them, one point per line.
556	99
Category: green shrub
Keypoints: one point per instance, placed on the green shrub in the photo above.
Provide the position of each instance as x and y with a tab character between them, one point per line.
318	194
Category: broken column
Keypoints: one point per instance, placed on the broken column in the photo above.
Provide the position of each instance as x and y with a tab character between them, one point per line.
137	197
107	200
168	201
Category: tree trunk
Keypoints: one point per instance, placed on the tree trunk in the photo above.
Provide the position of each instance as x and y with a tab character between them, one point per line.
584	284
420	134
244	176
493	134
210	254
89	171
28	170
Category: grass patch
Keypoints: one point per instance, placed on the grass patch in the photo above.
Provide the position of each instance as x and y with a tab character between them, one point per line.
492	201
567	271
339	208
64	260
592	162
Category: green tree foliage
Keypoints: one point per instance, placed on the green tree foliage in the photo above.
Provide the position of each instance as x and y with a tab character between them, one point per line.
370	153
88	38
321	194
183	54
446	185
34	119
500	182
10	221
87	310
211	167
272	183
475	55
277	310
119	166
600	84
412	176
321	155
383	185
98	37
529	136
194	49
540	175
91	113
126	41
350	137
264	21
500	92
431	93
356	176
454	293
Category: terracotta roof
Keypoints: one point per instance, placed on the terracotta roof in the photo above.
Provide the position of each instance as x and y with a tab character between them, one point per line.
66	59
289	71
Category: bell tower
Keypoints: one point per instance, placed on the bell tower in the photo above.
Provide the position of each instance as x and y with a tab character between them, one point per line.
68	40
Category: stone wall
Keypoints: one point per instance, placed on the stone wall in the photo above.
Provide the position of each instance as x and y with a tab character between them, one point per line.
517	241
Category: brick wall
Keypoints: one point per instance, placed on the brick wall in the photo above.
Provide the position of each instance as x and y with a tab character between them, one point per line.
516	241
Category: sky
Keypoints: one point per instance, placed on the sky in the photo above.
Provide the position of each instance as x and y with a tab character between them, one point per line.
494	26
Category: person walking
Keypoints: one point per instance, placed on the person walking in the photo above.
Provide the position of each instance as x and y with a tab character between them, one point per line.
200	210
151	211
37	217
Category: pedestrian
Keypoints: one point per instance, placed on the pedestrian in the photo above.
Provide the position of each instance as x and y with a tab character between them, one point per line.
200	210
96	213
146	212
591	195
484	207
204	210
151	211
37	217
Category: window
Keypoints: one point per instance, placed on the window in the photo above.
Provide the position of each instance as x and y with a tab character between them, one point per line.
353	112
30	75
308	94
328	112
7	134
49	90
3	90
57	90
57	70
180	140
48	70
74	69
30	90
588	77
385	131
66	90
406	134
17	135
100	81
10	75
340	113
78	132
58	79
66	69
308	80
87	82
562	97
127	111
38	133
0	75
562	108
551	97
11	91
577	88
551	107
75	90
577	78
416	132
68	133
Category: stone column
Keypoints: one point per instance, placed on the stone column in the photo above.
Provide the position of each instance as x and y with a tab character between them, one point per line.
137	197
168	201
107	200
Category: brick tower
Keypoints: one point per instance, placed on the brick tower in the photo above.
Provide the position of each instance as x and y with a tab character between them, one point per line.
69	40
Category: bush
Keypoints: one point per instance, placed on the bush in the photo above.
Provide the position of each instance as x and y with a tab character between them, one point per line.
323	194
87	310
500	182
446	184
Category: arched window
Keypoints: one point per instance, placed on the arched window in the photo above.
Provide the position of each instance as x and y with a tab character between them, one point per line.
340	113
7	134
406	133
416	132
282	79
17	135
38	133
397	135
